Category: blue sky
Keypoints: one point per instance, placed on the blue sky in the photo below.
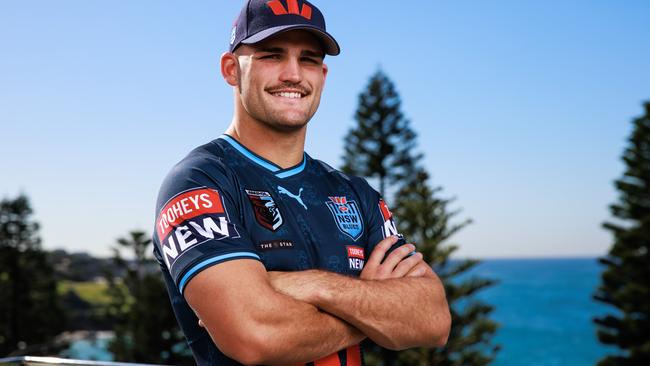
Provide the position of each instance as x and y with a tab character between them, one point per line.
522	108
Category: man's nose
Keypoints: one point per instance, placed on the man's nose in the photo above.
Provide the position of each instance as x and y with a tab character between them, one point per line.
291	72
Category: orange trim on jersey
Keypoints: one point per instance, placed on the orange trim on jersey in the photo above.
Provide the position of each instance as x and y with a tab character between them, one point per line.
354	356
331	360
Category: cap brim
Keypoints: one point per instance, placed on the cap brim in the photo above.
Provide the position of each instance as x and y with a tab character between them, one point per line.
331	46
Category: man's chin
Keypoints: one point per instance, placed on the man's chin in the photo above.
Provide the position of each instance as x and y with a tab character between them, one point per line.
289	123
288	126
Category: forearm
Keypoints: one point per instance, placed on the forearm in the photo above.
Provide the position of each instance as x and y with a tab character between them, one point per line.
396	313
254	324
307	332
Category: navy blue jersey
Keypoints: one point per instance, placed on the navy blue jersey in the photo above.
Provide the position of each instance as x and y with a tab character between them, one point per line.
223	202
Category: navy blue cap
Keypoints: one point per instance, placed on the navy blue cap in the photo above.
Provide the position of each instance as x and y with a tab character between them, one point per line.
260	19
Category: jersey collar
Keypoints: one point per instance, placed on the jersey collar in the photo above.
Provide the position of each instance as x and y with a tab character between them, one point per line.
266	164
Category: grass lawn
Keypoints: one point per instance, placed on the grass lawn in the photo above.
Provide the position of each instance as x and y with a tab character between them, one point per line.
92	292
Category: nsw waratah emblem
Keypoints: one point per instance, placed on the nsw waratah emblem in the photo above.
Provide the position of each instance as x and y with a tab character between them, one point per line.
347	216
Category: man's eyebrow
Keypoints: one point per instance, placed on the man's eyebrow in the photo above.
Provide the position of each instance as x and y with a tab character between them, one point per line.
271	50
310	53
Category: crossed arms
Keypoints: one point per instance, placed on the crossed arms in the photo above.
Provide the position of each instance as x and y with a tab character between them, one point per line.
255	316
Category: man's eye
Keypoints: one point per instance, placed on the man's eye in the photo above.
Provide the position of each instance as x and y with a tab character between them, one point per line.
310	60
272	57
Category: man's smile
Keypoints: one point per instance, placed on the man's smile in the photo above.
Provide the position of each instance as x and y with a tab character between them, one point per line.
289	92
291	95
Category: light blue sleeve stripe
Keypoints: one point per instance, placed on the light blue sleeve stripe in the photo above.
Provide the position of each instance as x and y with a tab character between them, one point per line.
248	154
207	262
295	170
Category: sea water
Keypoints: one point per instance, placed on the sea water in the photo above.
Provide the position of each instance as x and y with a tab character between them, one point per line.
545	310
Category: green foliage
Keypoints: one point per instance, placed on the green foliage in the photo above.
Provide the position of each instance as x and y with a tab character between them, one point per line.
145	327
426	220
30	312
381	144
626	279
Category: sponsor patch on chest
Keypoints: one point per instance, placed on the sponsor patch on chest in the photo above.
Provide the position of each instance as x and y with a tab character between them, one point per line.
274	244
347	216
266	211
356	257
191	218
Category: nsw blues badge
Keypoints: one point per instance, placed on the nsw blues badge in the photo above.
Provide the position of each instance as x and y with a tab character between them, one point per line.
266	211
347	216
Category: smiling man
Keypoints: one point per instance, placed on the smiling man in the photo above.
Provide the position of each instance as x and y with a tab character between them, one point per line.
272	257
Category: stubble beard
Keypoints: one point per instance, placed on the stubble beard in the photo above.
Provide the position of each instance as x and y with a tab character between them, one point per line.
276	120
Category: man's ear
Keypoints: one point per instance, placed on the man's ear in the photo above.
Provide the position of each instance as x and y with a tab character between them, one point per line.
325	69
230	68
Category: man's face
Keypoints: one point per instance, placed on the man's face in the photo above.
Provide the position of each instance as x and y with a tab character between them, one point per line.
281	79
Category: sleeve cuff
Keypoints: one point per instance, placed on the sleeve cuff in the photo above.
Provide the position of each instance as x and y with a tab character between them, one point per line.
195	269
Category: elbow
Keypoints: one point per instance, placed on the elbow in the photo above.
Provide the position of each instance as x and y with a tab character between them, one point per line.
252	348
441	329
245	355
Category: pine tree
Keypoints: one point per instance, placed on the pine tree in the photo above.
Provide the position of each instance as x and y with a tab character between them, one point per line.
626	278
30	311
145	326
426	220
381	145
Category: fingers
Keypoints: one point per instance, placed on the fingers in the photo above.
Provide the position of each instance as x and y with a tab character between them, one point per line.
419	270
396	256
406	265
379	252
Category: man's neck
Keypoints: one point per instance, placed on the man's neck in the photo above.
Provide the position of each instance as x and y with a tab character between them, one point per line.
285	149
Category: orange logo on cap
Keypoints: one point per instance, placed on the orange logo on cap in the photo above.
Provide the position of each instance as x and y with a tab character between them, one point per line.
293	8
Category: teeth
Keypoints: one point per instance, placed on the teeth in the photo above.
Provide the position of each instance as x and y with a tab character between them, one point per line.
288	95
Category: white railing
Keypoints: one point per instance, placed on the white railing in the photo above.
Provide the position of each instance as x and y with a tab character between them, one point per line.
43	361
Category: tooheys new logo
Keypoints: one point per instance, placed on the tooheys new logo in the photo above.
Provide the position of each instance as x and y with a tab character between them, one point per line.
356	257
389	228
191	218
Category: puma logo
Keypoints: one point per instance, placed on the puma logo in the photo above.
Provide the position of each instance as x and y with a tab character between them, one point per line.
283	190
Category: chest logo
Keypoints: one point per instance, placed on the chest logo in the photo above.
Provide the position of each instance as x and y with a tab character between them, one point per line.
274	244
347	216
285	191
266	211
356	257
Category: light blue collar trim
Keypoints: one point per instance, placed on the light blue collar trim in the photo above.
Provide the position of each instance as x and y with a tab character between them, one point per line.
249	154
263	163
294	171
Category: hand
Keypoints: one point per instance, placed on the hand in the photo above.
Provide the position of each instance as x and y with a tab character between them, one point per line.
396	265
420	270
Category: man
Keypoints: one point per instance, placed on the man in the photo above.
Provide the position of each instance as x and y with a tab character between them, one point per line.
271	257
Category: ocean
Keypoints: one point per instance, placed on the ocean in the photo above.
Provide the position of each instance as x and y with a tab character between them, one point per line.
544	308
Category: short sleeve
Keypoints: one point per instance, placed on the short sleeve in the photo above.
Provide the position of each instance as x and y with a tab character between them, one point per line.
380	221
198	221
